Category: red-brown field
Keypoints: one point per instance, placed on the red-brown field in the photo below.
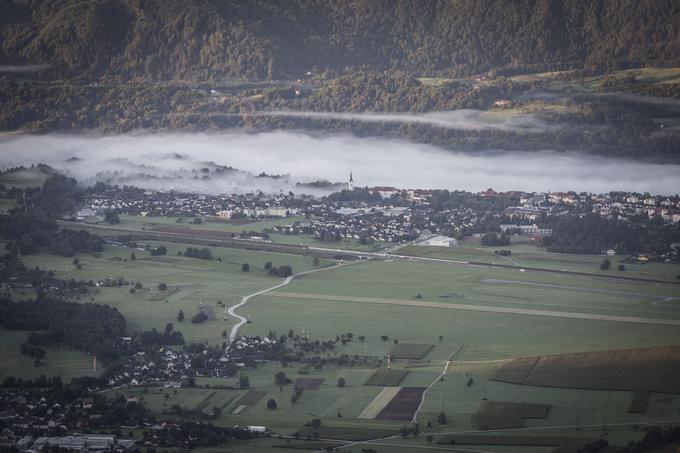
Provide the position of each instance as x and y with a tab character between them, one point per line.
251	398
309	383
648	369
403	405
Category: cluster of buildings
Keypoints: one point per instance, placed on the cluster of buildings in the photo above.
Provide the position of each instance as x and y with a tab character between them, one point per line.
165	367
390	215
614	205
136	201
381	223
29	422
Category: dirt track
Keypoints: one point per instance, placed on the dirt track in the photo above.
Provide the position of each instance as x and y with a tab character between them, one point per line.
481	308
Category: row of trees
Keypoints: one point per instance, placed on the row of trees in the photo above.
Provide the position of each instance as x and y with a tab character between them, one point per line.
592	234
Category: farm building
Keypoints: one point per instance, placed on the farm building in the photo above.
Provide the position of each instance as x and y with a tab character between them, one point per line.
440	241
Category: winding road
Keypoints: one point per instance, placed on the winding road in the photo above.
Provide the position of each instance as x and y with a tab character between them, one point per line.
245	299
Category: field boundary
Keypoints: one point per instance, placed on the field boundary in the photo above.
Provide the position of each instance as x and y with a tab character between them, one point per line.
378	403
479	308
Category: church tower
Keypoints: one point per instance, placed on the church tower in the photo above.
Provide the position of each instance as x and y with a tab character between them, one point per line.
350	183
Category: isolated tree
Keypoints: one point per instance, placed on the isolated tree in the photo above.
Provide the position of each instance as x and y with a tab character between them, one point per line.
162	286
621	267
384	338
180	316
199	318
245	267
139	285
285	271
159	251
132	290
441	418
268	265
441	337
315	423
429	438
315	261
133	257
606	264
280	378
197	221
362	338
271	404
341	382
243	382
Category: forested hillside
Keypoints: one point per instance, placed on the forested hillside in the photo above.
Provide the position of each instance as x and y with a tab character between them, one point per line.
271	39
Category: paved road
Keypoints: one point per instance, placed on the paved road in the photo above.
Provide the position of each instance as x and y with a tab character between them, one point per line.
482	308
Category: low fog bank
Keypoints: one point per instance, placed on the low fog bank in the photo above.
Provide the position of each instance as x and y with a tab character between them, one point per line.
23	68
174	161
465	119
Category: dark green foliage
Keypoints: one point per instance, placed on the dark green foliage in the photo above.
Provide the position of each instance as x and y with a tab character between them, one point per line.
199	318
168	337
90	327
493	239
592	234
159	251
203	253
111	217
280	378
277	40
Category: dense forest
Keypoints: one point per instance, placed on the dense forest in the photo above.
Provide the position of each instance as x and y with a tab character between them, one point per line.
89	327
33	224
268	39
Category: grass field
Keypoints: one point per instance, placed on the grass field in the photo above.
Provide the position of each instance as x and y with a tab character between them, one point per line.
484	335
528	255
645	369
386	377
410	350
402	300
63	362
192	283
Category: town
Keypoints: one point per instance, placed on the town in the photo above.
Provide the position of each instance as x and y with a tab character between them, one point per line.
387	214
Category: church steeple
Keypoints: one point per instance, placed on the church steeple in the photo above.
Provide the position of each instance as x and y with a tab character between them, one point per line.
350	184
